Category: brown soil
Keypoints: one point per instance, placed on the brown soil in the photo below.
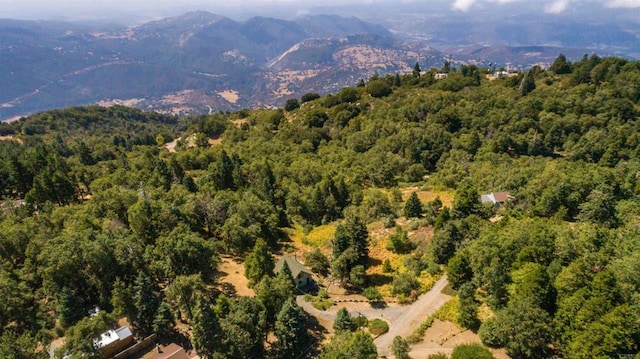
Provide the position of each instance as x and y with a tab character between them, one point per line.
11	138
230	96
442	337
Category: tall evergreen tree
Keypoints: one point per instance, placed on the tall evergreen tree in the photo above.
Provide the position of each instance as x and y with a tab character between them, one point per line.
416	70
343	321
207	334
70	308
259	263
146	300
466	200
560	65
528	84
353	233
164	321
223	169
413	207
291	330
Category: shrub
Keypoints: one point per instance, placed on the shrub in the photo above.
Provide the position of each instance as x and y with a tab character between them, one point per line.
372	294
317	261
389	221
490	333
399	242
475	351
378	88
361	321
404	284
291	104
378	327
386	266
309	96
349	95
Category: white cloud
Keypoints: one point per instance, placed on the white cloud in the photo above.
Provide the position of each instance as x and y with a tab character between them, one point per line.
463	5
549	6
623	3
557	6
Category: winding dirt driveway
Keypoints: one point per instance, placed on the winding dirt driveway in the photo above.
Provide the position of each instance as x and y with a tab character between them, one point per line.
403	320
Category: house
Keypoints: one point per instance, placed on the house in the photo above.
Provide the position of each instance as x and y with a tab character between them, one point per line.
501	74
496	198
113	342
440	76
300	274
171	351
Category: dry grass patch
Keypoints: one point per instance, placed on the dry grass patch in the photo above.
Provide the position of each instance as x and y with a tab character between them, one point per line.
318	237
426	196
232	279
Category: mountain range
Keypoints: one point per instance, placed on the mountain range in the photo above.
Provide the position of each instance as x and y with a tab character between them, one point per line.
201	62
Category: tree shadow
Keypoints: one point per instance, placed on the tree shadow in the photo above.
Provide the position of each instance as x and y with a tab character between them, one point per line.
374	262
228	289
378	279
378	304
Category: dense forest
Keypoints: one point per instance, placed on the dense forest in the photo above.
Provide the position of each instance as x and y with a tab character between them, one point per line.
98	211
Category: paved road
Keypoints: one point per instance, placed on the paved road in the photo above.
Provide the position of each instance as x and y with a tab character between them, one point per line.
403	320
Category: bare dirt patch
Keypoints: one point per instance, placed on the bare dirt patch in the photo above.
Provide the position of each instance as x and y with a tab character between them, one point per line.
214	141
171	146
127	102
443	336
232	279
11	138
230	96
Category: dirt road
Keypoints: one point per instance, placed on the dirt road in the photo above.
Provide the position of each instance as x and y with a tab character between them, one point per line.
413	316
403	320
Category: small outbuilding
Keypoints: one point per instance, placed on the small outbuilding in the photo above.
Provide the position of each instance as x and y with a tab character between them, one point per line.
496	198
301	275
112	341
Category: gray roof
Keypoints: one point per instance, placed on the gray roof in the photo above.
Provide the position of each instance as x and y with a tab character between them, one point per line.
294	266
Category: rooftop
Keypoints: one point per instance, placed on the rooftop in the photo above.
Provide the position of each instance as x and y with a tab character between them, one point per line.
171	351
294	266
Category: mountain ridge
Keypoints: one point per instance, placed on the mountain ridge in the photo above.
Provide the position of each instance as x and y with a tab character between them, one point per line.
202	62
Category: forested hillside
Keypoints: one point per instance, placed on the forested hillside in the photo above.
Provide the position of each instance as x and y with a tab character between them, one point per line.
131	212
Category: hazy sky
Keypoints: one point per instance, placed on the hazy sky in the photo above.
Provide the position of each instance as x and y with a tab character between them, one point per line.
91	9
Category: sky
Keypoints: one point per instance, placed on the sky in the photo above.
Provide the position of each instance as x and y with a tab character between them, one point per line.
148	9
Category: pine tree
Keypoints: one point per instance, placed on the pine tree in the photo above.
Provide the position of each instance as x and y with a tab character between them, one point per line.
291	330
259	263
70	308
413	207
121	299
466	201
343	321
206	330
223	171
146	302
416	70
528	84
164	321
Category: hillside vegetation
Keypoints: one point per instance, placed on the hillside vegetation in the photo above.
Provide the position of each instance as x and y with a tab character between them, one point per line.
114	219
